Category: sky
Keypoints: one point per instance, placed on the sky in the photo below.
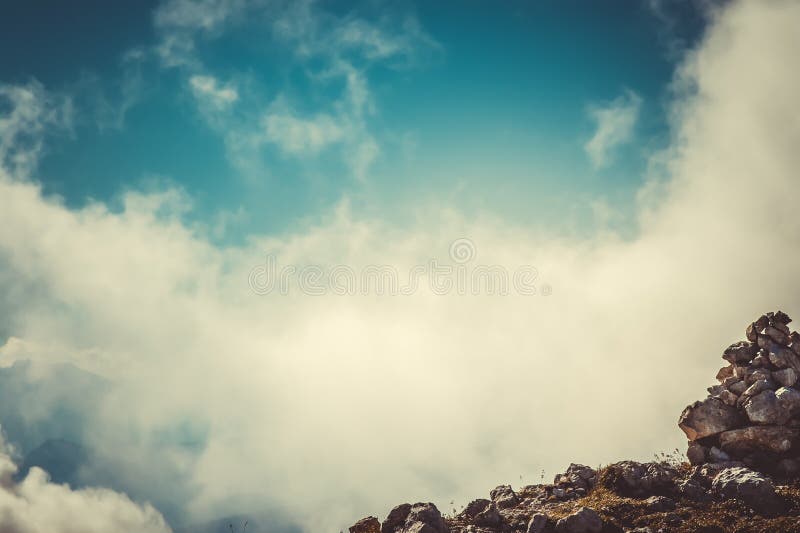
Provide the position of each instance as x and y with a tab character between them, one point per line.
630	168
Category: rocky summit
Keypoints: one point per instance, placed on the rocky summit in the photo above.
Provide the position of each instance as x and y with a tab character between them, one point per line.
741	475
752	417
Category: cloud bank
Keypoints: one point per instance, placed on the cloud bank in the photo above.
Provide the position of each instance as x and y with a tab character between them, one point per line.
34	505
331	408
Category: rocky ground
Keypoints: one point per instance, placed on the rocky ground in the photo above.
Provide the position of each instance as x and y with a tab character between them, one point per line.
622	497
742	474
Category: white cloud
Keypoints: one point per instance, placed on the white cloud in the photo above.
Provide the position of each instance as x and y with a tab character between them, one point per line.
209	91
300	136
35	505
615	123
33	114
312	403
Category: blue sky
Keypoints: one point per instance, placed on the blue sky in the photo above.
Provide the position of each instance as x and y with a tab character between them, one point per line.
482	105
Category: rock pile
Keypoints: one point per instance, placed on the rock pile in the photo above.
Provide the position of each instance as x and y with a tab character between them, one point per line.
753	416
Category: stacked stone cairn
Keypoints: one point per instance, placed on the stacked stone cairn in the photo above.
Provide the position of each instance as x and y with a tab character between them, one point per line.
753	415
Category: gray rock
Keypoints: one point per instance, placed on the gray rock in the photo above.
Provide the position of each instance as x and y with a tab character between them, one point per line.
714	390
786	377
727	397
476	506
777	335
759	374
750	487
631	478
577	476
784	357
489	517
740	352
709	417
769	439
764	408
424	518
537	523
738	387
584	520
504	497
789	400
756	388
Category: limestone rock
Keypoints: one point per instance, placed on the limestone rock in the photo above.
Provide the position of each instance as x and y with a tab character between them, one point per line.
750	487
584	520
764	408
709	417
369	524
769	439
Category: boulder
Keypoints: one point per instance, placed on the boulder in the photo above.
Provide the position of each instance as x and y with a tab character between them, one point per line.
369	524
706	418
764	408
584	520
749	487
765	439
